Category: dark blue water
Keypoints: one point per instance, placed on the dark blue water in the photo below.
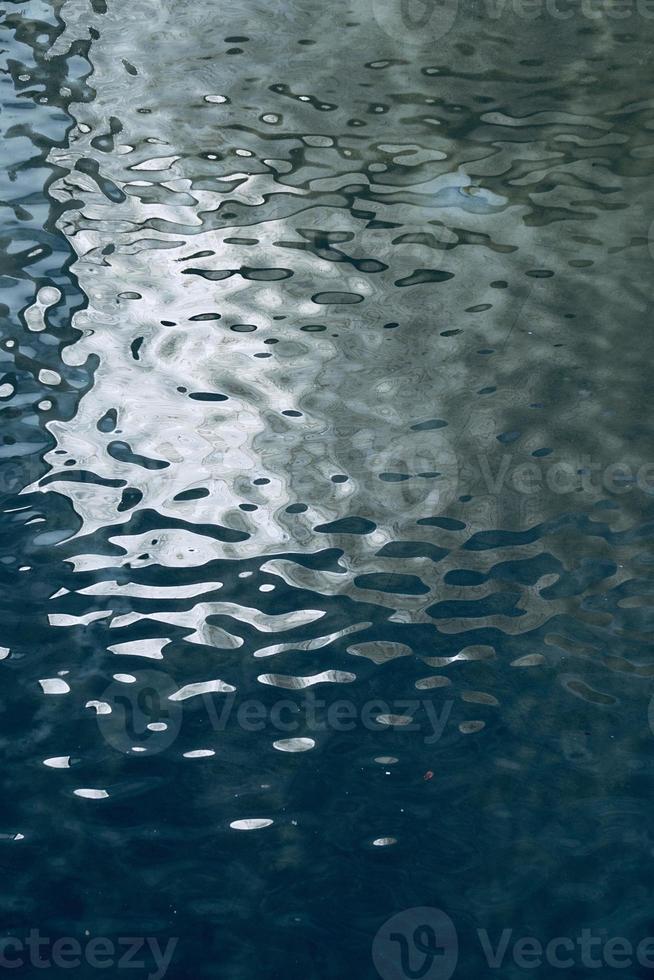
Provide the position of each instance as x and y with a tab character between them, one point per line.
327	489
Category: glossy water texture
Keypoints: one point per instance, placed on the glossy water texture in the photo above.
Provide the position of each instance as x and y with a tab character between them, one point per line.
327	478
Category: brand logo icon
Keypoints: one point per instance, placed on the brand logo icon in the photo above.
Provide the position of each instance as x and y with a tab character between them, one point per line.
415	22
135	716
416	944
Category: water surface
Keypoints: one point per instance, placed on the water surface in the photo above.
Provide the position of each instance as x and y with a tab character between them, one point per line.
326	388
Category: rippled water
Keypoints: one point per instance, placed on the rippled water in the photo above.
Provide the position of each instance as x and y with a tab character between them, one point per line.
327	478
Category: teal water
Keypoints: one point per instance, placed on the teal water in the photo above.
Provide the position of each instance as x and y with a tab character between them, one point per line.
327	488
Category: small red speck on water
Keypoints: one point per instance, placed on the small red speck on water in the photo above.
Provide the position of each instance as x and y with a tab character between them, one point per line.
428	775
